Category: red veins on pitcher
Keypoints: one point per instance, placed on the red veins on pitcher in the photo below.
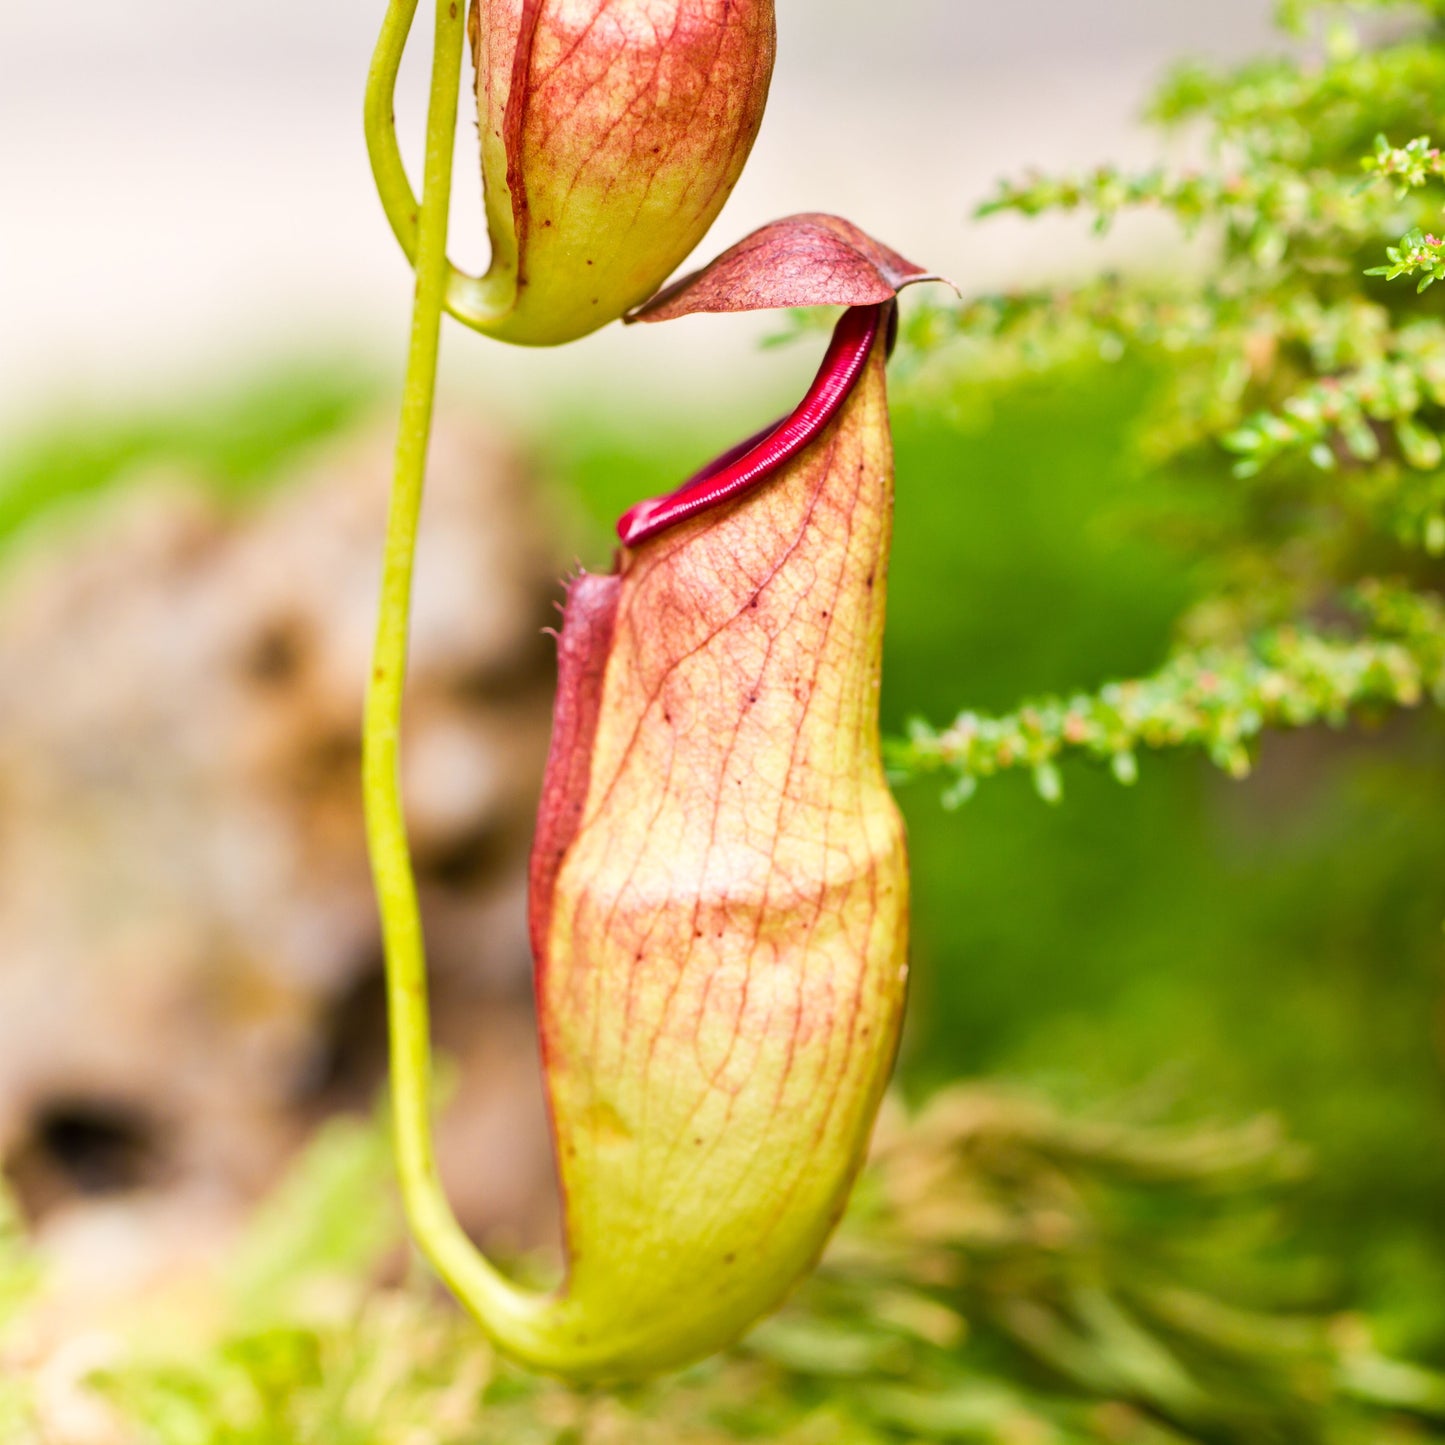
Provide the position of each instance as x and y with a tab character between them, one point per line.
719	883
612	132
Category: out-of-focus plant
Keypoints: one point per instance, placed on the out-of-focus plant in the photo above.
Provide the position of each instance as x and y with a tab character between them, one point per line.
1296	432
235	438
1005	1273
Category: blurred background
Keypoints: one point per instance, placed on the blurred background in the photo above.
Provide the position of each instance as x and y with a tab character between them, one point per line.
202	324
188	191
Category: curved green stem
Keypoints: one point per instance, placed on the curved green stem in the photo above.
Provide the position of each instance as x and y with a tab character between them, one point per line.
476	301
509	1314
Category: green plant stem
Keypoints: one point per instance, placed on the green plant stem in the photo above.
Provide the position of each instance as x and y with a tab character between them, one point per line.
502	1309
475	301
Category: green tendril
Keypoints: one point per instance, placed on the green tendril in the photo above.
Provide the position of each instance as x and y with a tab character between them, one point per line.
501	1308
475	301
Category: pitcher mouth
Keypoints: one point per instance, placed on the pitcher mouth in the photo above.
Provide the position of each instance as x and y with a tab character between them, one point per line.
752	462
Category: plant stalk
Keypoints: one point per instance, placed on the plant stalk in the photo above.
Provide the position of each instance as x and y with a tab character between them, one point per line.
506	1312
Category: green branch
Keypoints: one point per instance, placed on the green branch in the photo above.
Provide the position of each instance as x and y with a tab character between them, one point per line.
1218	700
1266	205
486	1293
1388	393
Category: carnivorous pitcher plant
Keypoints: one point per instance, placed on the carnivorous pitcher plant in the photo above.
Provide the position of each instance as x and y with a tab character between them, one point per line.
719	884
612	132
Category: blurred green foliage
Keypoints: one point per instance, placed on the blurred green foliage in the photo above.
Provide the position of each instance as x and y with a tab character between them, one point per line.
1004	1274
1282	943
237	438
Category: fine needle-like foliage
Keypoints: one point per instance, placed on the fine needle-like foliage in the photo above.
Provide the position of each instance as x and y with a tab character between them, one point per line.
1005	1274
1295	433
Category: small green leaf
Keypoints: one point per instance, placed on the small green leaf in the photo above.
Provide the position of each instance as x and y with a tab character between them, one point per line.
1049	783
1421	447
957	794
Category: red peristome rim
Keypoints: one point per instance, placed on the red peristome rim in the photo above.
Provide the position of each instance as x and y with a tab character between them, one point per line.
753	461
